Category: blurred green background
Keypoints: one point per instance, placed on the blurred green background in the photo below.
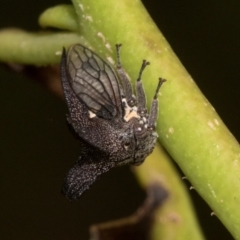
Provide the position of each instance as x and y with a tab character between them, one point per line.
37	149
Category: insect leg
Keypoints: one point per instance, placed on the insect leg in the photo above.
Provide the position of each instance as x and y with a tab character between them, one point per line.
141	98
131	100
154	107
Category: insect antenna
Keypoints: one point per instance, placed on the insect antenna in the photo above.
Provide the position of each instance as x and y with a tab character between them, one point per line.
144	64
154	107
160	83
141	97
127	87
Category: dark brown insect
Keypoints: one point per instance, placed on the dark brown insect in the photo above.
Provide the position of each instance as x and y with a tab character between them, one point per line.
112	124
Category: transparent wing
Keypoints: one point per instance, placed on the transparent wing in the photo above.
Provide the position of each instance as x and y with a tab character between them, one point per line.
94	82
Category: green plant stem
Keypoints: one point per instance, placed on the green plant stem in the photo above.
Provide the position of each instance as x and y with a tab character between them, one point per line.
34	48
189	128
61	16
175	219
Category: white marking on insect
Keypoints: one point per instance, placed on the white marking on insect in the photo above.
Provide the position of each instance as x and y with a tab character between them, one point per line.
100	35
129	112
81	7
139	129
91	114
124	101
126	147
132	114
134	108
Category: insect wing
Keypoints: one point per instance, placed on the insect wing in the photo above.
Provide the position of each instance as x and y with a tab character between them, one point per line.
90	165
94	82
